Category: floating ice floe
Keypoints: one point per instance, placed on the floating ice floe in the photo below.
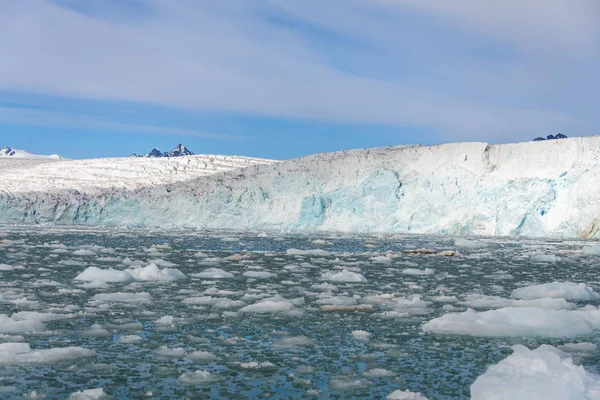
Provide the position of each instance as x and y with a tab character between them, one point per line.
213	273
259	274
565	290
544	258
418	272
122	297
95	330
315	252
153	273
10	325
200	377
255	365
361	335
202	357
405	395
518	322
39	316
144	274
348	383
469	244
294	342
483	301
272	304
170	352
129	339
6	267
343	276
89	394
403	307
21	353
593	250
545	373
378	373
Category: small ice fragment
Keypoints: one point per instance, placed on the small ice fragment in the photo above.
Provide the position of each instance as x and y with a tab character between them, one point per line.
405	395
361	335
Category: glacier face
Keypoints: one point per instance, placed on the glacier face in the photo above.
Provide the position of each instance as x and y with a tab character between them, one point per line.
533	189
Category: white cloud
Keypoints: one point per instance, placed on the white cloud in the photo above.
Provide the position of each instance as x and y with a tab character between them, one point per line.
253	57
59	120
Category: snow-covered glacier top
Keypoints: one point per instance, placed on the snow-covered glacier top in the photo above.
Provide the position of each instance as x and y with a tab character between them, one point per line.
93	176
549	188
9	152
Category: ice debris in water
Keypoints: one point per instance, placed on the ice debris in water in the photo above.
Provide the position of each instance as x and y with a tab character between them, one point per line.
515	322
213	273
129	339
545	373
202	357
469	244
259	274
294	342
343	276
170	352
199	377
405	395
122	297
418	272
565	290
483	301
21	353
89	394
316	252
148	273
593	250
361	335
272	304
10	325
96	330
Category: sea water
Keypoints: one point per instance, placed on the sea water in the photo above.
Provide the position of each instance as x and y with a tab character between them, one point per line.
188	314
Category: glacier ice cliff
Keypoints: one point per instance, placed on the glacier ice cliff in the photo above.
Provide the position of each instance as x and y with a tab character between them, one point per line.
548	188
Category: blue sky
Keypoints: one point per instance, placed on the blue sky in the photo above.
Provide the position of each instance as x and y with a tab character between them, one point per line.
285	78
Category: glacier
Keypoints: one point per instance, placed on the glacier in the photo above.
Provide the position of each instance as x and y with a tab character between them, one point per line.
538	189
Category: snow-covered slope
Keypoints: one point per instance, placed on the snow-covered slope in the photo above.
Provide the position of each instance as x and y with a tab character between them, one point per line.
549	188
100	176
8	152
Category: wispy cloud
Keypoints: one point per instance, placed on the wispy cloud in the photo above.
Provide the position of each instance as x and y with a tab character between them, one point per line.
467	68
60	120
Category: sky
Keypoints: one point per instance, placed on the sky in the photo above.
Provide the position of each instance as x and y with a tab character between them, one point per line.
285	78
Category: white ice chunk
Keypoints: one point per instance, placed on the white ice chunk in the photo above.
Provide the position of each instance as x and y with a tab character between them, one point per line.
96	330
199	377
418	272
21	353
565	290
343	276
170	352
9	325
361	335
482	301
545	373
271	304
259	274
516	322
202	357
405	395
39	316
213	273
123	297
294	342
153	273
89	394
128	339
93	274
